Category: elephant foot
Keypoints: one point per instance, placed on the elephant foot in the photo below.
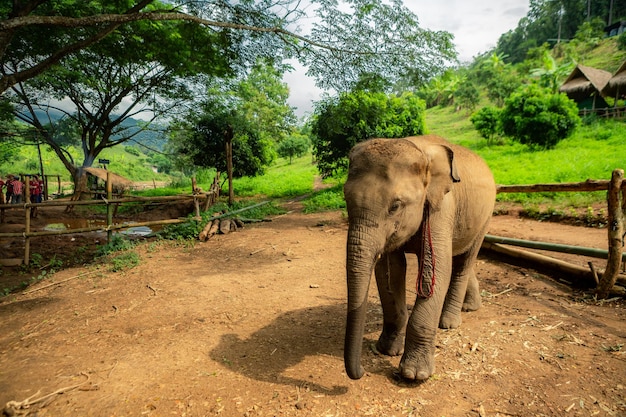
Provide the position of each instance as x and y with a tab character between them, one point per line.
449	320
418	369
471	303
390	345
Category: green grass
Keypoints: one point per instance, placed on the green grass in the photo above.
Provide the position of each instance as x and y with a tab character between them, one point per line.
593	152
281	180
324	200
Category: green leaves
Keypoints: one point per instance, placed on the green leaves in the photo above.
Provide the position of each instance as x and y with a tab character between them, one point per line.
539	118
340	123
373	37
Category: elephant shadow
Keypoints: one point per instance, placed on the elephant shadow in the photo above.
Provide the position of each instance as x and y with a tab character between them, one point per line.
287	341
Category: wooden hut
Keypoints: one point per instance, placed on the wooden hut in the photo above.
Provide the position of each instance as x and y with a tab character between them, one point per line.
584	85
616	86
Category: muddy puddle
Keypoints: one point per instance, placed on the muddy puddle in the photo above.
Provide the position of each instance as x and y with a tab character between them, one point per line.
70	224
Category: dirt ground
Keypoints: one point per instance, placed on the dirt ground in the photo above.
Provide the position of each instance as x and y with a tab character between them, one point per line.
251	324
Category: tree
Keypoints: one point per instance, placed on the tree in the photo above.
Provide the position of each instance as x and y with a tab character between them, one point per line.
539	118
341	122
263	101
254	108
207	136
294	145
498	77
339	47
374	37
486	122
112	82
554	21
467	95
550	74
439	91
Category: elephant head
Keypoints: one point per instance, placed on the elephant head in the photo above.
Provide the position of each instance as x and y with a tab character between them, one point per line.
391	187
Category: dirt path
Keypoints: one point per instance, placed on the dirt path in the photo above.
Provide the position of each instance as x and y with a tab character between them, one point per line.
251	324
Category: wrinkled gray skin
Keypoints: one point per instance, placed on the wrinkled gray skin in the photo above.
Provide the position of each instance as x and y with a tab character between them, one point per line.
391	182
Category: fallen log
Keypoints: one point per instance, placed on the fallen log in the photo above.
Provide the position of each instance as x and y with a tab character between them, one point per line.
215	227
205	232
578	273
225	226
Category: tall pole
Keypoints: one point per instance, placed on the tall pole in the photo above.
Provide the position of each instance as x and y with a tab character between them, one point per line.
109	191
228	134
43	176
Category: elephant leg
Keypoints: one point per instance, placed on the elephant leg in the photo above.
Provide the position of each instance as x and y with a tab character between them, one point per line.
464	291
473	300
418	361
390	273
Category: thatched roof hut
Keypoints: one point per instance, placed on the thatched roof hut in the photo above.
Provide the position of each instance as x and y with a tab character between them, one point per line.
119	183
584	85
116	179
616	86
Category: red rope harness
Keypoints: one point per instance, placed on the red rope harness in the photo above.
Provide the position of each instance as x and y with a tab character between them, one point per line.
426	256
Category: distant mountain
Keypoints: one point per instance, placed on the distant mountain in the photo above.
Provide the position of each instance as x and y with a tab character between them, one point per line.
151	139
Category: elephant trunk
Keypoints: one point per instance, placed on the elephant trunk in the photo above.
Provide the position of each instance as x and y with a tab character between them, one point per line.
360	261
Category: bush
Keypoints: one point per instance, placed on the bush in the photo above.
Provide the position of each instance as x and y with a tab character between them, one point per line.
487	122
340	123
536	117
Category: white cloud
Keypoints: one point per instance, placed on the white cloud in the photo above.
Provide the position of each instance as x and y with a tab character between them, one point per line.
475	24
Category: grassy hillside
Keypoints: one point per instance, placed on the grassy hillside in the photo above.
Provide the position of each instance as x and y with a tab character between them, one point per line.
129	165
592	152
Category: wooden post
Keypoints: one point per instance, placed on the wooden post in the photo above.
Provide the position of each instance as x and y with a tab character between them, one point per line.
616	232
27	223
109	186
228	134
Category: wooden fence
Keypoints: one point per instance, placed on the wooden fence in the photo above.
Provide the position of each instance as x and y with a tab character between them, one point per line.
207	198
616	201
613	112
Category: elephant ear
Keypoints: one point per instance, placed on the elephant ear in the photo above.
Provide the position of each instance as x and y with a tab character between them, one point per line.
443	174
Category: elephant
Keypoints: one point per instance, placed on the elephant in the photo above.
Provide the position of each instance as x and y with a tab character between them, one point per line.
418	195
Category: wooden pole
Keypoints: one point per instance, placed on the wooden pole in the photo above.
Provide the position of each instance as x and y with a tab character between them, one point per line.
109	186
615	232
27	222
228	134
554	247
589	185
572	272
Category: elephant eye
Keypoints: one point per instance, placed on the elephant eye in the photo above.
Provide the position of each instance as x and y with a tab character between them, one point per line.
395	206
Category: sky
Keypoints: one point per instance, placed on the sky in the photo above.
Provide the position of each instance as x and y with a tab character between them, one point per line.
475	24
